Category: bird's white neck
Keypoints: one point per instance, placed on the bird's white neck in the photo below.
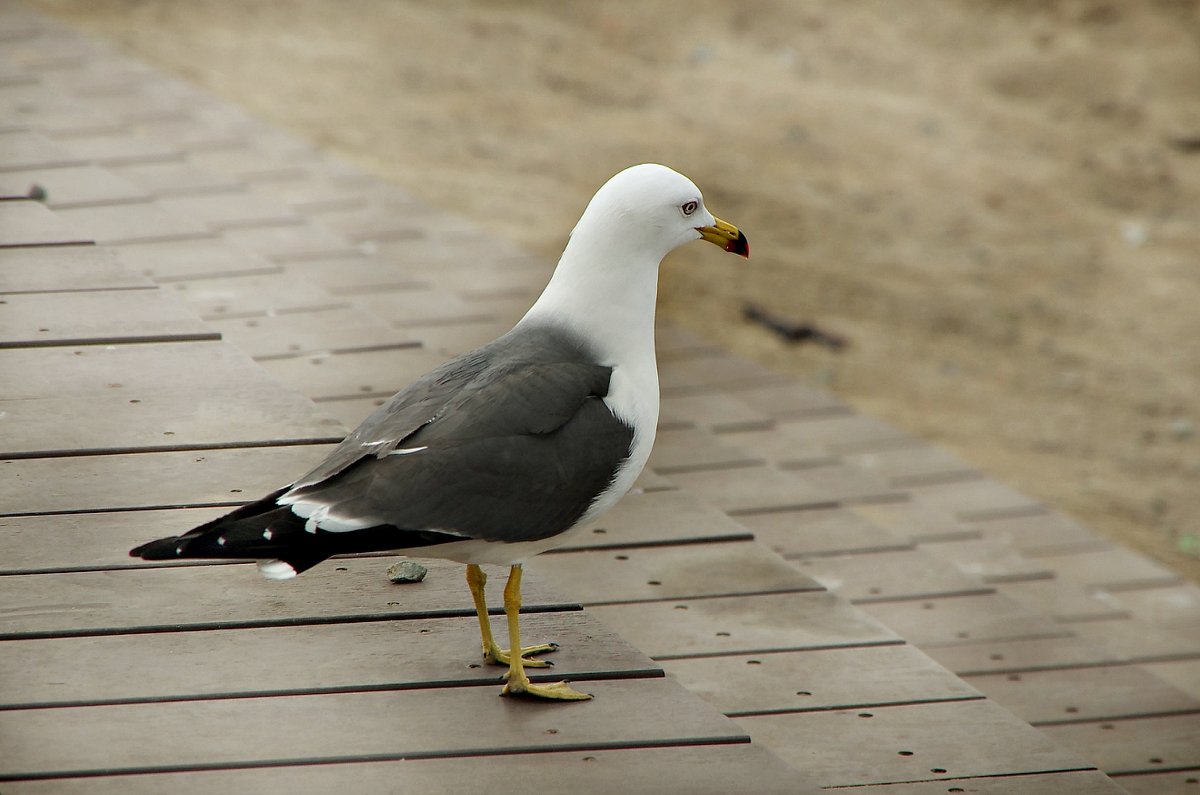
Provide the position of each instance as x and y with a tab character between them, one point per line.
606	293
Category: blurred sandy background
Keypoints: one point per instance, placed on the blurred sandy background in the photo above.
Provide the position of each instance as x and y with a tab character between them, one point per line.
996	202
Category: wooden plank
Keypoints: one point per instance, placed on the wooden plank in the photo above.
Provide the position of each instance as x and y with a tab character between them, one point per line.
806	681
789	400
178	260
1141	745
450	340
889	575
1097	693
281	243
703	770
302	333
179	479
741	625
711	373
247	163
645	518
327	658
251	294
137	371
121	146
749	490
600	577
1181	782
1115	567
34	320
72	186
844	484
909	743
234	595
239	415
27	149
65	269
405	306
232	210
973	659
359	373
88	540
1039	534
358	274
768	442
1183	674
1130	639
143	222
1075	782
846	433
972	618
1064	601
975	499
176	178
147	397
29	223
255	731
799	534
990	560
719	413
689	449
916	521
910	465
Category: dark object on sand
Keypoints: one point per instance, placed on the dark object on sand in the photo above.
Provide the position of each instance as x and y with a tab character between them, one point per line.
793	331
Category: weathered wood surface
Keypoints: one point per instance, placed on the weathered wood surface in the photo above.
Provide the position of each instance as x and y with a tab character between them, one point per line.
742	625
867	507
814	680
29	223
55	269
385	654
233	595
911	743
98	317
259	732
701	770
121	481
599	577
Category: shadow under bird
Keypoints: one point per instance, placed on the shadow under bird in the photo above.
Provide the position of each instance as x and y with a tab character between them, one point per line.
510	449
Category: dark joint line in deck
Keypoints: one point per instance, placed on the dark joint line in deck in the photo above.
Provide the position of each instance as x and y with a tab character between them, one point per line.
704	655
968	778
199	336
666	542
325	352
174	448
1166	713
921	597
701	597
885	498
553	675
754	713
1072	666
613	745
295	621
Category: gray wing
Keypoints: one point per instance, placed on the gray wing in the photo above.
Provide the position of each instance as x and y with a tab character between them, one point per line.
502	449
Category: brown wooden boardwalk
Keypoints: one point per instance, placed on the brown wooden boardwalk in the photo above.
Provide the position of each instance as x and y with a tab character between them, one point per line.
197	306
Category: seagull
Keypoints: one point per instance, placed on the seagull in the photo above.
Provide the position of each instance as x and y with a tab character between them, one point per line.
510	449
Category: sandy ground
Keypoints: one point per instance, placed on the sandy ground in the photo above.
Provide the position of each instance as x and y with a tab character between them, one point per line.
995	202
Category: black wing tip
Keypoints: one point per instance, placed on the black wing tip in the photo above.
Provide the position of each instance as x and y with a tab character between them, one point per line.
160	549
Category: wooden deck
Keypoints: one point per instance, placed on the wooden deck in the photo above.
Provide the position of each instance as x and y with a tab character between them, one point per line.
799	596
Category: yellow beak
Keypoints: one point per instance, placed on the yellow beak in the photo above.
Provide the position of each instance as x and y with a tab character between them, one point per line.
727	236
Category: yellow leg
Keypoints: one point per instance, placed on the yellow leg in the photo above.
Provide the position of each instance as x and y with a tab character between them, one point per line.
493	654
518	683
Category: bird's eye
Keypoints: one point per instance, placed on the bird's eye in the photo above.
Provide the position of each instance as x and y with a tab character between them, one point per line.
689	207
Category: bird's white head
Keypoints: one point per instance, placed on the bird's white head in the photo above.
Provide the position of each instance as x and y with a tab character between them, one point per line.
653	210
